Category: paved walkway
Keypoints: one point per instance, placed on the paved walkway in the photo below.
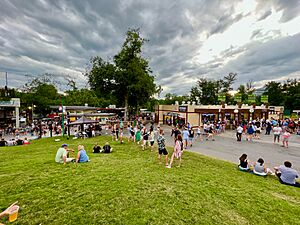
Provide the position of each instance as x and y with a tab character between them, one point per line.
226	147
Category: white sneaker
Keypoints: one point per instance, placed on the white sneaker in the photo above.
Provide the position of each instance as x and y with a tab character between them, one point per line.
168	166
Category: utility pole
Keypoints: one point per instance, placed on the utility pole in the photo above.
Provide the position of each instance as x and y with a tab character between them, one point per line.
6	90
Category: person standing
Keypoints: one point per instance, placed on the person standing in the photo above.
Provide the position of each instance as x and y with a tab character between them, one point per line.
199	134
185	134
277	131
286	135
239	132
191	136
162	147
152	138
250	132
178	150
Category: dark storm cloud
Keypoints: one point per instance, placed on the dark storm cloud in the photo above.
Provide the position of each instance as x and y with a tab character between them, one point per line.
290	8
59	37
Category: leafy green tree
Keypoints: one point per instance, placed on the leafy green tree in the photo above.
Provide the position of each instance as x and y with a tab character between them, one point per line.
172	98
84	96
274	90
127	81
207	91
134	82
291	90
101	77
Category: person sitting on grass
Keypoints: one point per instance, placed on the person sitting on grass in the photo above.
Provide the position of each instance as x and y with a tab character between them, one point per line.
19	141
96	148
107	148
178	150
82	157
261	169
162	147
3	142
26	142
287	175
244	163
62	154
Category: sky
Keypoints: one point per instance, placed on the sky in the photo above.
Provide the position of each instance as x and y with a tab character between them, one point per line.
188	39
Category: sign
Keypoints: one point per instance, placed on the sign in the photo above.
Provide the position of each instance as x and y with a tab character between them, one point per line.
252	98
6	103
264	98
182	108
14	102
222	97
238	97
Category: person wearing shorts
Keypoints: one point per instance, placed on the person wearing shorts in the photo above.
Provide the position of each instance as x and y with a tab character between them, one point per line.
162	147
277	131
152	138
145	135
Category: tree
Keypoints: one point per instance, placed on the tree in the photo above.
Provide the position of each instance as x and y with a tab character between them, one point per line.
291	90
207	91
274	90
228	82
134	82
242	90
172	98
84	96
128	80
101	77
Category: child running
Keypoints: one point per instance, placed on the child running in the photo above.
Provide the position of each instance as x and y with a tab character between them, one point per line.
286	135
162	147
178	150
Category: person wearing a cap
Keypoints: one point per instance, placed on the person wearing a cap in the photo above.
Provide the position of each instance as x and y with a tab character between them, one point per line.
62	154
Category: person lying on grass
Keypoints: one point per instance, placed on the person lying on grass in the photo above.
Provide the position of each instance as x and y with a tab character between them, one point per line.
82	157
107	148
62	154
286	174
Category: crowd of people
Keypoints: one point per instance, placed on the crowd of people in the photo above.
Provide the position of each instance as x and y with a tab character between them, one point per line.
13	142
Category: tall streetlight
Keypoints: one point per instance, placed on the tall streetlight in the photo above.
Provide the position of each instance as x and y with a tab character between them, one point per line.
32	110
63	115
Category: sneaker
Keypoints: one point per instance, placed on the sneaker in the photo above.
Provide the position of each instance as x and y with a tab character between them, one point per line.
168	166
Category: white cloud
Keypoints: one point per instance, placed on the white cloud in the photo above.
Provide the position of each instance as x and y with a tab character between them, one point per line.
188	39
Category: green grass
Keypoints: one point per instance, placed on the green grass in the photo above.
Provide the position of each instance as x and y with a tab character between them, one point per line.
129	186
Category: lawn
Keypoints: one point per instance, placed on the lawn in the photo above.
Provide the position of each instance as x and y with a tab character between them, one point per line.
129	186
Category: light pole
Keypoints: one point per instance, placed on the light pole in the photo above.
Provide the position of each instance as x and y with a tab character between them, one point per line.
63	115
32	110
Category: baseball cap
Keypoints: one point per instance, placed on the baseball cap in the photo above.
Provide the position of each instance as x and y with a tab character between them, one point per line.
64	145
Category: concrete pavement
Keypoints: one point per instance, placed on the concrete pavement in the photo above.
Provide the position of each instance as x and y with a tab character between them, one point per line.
226	147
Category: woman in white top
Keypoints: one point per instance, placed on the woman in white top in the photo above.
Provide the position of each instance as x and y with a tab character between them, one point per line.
260	168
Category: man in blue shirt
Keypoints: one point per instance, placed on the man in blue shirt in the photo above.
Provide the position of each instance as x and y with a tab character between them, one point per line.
287	175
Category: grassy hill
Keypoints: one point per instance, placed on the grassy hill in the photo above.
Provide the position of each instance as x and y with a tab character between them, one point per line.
129	186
